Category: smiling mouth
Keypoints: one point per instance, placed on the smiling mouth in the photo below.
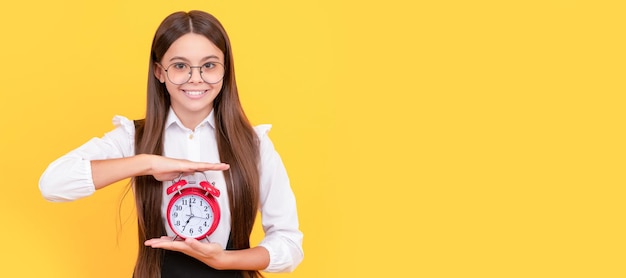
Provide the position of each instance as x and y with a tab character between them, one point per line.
194	93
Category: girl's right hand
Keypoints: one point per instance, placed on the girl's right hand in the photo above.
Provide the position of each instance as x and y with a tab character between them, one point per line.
165	168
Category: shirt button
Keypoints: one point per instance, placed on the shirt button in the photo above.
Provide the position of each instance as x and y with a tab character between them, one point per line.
190	136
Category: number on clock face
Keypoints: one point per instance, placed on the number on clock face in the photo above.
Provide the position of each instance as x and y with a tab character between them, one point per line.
191	216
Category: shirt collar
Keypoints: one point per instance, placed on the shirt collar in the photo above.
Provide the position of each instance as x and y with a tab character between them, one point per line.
173	118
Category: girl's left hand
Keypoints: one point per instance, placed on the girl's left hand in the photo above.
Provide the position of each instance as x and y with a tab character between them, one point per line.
208	253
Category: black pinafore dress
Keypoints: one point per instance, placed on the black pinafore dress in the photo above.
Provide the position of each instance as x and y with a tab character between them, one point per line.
178	265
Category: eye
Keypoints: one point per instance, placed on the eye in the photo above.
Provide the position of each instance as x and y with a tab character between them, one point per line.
179	66
208	66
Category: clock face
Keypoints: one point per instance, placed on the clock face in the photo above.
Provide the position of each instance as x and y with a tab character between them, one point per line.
192	214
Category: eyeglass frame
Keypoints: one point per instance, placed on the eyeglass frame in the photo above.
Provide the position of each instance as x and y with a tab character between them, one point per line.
191	72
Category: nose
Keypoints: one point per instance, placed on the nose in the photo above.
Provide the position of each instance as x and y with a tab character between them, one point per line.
196	76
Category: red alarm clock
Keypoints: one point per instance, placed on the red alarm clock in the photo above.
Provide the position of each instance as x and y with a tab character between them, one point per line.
193	212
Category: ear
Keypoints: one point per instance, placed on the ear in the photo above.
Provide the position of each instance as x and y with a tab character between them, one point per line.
159	72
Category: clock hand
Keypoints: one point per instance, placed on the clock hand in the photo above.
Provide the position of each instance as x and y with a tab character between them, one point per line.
184	226
191	216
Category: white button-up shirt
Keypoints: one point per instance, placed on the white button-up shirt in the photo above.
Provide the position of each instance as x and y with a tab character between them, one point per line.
69	178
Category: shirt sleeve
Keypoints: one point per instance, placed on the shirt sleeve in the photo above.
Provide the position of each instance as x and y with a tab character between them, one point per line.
283	239
69	177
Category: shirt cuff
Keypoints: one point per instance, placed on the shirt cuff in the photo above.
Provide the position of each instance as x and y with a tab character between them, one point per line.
282	257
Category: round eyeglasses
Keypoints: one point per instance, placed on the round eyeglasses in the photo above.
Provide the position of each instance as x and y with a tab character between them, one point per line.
180	73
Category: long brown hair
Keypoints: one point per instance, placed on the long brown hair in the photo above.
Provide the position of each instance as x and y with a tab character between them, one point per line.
236	140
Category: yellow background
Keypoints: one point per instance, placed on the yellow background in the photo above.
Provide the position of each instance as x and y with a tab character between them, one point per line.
423	138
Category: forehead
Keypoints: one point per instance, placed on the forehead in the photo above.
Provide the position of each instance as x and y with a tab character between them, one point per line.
193	48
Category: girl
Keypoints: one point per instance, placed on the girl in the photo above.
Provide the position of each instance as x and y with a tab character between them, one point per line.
194	121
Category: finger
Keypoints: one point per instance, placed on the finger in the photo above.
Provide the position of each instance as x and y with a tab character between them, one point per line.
210	166
173	245
156	240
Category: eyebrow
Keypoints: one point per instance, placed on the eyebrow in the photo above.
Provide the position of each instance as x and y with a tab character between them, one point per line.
187	60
